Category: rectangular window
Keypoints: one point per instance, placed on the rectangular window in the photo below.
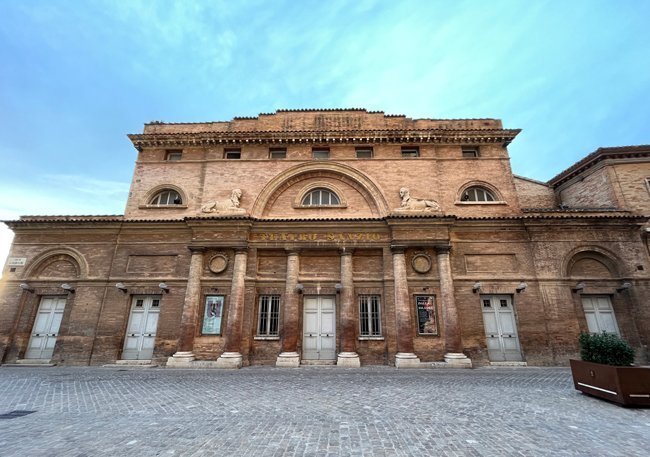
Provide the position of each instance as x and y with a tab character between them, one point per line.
410	151
369	315
173	154
278	153
212	315
364	152
470	151
268	323
232	154
320	153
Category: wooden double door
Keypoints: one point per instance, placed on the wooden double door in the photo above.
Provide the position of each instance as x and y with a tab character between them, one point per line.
319	328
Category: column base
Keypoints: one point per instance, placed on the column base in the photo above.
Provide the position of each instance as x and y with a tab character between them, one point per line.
407	360
348	359
457	360
288	360
181	359
229	360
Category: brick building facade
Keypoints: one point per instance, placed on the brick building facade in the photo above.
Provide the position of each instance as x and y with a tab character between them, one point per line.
336	236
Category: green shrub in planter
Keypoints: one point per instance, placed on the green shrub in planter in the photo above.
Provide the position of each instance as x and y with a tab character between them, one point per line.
605	348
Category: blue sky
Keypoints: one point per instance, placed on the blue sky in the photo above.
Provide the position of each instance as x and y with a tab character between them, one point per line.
77	76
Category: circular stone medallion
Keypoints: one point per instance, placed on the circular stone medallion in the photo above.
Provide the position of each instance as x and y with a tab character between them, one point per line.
218	263
421	263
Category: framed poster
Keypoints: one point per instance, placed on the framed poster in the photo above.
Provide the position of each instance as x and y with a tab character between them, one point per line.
212	315
425	311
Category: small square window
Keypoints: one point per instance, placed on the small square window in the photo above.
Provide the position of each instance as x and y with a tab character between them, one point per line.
410	151
364	152
320	153
172	155
278	153
470	151
233	154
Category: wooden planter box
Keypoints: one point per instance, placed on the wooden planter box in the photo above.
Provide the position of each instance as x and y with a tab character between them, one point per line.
628	386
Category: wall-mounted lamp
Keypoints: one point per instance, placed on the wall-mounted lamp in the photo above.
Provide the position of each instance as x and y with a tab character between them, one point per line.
626	285
26	287
578	287
67	287
338	286
521	287
299	288
164	287
121	286
477	286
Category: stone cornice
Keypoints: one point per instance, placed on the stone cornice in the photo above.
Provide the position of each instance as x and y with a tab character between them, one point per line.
391	219
600	155
438	136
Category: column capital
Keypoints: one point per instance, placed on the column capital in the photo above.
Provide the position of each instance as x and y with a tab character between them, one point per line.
292	251
397	249
196	249
241	249
442	248
346	251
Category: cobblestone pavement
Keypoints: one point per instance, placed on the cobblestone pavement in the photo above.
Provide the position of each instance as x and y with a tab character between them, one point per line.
310	411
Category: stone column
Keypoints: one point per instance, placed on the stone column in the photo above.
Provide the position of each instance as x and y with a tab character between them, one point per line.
232	358
184	354
348	356
289	356
453	345
405	357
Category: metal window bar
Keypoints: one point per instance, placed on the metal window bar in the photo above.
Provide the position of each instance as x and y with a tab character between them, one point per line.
269	315
369	315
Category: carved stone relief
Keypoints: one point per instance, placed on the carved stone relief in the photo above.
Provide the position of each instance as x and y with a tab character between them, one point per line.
230	205
410	203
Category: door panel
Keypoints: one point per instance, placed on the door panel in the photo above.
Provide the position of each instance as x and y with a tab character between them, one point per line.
140	338
599	314
319	328
500	328
46	328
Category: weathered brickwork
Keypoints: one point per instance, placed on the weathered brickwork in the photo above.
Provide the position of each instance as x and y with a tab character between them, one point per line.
433	250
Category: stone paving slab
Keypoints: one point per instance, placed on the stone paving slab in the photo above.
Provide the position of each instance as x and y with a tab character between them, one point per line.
311	411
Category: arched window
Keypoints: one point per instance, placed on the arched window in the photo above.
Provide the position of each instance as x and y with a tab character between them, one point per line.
320	197
166	197
477	194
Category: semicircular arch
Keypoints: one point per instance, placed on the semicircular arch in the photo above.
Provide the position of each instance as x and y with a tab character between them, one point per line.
591	261
359	181
60	263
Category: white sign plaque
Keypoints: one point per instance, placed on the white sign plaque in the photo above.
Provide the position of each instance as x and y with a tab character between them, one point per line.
16	261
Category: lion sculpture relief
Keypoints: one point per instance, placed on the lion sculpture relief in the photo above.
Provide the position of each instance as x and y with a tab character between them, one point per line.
230	205
415	204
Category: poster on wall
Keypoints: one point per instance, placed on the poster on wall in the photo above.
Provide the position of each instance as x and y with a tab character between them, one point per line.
212	315
425	307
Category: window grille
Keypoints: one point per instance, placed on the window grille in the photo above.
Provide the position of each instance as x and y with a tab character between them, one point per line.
278	153
364	152
321	197
470	152
166	197
369	315
232	154
477	194
269	316
410	151
320	153
173	154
